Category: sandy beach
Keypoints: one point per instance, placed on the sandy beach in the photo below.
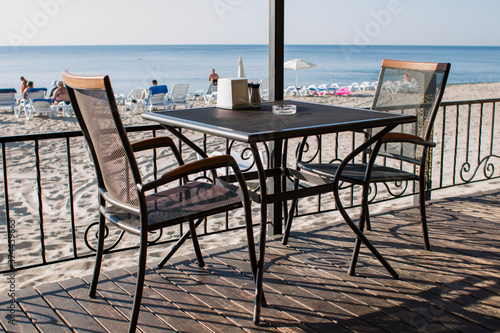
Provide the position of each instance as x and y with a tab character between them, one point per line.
57	229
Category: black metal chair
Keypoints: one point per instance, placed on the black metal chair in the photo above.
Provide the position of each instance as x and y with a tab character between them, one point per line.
414	88
131	204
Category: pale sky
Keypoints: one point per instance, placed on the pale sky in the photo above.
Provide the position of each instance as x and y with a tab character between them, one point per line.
358	22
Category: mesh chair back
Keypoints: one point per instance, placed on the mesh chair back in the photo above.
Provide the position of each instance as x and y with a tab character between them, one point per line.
410	88
95	108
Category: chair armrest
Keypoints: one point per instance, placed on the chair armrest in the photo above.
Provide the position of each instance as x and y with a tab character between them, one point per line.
151	143
158	142
205	164
403	137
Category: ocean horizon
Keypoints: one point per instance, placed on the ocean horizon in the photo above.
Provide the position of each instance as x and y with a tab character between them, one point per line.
134	66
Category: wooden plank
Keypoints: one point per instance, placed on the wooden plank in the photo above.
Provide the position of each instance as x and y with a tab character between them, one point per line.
220	258
68	309
446	270
456	287
300	277
122	301
158	305
40	313
425	294
200	283
360	290
13	319
300	304
187	302
107	316
295	276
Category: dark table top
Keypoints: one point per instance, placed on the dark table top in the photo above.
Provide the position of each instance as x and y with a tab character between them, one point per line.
259	125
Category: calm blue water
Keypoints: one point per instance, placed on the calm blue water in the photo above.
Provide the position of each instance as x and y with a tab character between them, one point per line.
135	66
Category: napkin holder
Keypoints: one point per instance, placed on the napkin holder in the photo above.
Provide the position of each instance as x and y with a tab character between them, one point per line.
232	93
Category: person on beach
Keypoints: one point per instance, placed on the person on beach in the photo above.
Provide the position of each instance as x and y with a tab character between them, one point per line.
25	91
213	76
145	93
61	94
54	87
24	84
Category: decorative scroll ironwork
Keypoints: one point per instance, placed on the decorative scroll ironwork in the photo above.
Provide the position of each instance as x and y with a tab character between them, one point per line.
88	234
307	147
156	235
487	166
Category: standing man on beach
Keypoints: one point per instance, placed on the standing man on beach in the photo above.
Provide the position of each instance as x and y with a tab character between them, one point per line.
24	84
213	76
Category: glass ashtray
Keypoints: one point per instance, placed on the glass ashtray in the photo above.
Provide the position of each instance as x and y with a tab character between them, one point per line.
285	109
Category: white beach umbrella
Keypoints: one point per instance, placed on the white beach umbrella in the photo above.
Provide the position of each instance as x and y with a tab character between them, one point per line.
241	71
296	65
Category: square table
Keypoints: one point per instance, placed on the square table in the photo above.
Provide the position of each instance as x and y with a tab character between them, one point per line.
256	125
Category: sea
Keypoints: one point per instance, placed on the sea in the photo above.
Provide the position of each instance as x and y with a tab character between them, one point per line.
134	66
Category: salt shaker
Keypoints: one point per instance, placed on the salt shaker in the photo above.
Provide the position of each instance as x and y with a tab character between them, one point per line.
254	95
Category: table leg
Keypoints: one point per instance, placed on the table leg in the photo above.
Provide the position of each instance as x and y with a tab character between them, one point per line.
259	276
275	211
259	294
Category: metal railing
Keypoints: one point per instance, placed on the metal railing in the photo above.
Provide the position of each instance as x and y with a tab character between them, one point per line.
49	223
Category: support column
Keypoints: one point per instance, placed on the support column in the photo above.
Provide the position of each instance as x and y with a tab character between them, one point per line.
276	48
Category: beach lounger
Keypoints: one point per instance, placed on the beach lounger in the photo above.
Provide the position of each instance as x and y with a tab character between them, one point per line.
355	86
179	96
8	99
295	91
38	107
36	93
408	146
157	99
365	86
65	108
312	90
120	99
129	203
36	103
323	90
211	93
133	99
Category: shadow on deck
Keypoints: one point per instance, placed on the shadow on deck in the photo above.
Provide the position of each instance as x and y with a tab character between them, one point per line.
455	287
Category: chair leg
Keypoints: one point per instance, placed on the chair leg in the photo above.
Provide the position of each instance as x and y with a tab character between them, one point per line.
196	244
289	220
139	286
28	113
177	245
98	256
423	216
367	219
362	219
259	291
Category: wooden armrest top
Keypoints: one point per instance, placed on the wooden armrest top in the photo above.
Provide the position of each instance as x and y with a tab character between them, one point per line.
160	141
404	137
205	164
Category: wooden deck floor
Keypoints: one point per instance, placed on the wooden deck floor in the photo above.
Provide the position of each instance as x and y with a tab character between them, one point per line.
454	288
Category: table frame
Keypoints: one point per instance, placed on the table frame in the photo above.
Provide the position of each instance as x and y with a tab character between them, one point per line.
175	121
